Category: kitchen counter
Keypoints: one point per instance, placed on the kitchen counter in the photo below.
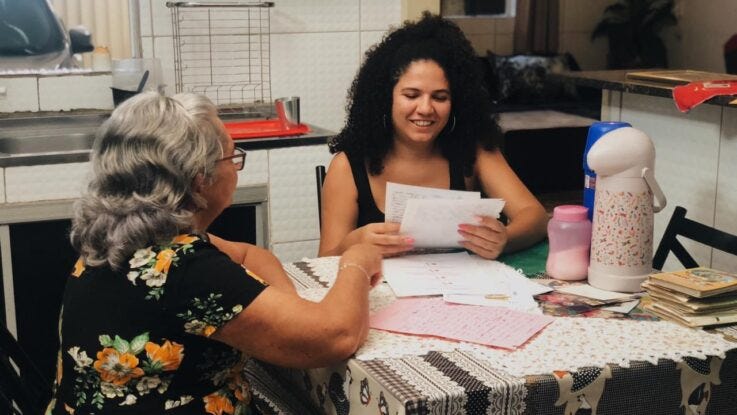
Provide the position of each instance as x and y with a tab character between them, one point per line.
615	80
55	139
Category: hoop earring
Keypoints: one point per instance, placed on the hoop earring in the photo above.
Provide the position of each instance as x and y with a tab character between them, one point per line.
452	124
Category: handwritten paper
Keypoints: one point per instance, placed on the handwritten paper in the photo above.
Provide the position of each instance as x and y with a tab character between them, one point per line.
491	326
397	196
434	223
436	274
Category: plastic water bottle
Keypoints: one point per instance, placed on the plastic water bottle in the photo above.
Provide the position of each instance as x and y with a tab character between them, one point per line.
569	233
596	130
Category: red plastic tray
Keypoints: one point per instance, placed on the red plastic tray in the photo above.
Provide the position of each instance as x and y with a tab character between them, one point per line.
262	128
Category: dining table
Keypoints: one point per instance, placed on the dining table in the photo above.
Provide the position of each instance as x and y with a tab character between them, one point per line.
575	365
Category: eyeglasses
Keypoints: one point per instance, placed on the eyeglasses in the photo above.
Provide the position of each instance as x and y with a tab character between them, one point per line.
238	158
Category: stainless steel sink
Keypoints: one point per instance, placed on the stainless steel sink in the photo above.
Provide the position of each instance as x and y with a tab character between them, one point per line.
47	140
28	141
47	144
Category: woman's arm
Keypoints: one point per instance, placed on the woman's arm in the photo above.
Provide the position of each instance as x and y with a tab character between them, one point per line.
340	213
281	328
527	219
257	260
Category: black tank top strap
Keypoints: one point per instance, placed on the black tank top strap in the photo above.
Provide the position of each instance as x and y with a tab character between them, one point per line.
368	212
457	180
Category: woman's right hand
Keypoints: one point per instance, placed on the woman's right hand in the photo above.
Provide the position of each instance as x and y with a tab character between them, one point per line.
384	236
367	258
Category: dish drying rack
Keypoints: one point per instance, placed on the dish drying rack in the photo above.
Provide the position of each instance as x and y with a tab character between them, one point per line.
222	50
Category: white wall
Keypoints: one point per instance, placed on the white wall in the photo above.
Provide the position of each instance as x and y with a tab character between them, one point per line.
704	27
577	20
696	43
316	48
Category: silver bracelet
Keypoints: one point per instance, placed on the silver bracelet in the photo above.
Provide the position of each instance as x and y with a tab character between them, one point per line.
360	267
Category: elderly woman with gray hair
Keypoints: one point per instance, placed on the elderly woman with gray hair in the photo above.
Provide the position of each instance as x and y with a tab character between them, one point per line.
160	316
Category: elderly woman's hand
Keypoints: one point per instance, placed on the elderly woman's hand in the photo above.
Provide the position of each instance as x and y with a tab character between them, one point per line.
486	239
366	258
384	236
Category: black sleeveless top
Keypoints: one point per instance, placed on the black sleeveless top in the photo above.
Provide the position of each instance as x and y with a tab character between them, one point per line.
368	212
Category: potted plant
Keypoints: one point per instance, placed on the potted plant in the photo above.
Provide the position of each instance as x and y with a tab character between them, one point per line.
633	28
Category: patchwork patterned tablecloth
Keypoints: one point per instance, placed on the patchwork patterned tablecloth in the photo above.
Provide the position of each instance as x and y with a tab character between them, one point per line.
688	372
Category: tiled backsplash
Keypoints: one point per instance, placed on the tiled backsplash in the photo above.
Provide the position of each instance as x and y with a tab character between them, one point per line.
56	92
316	48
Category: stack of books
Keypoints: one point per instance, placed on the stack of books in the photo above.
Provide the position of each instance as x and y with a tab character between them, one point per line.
694	297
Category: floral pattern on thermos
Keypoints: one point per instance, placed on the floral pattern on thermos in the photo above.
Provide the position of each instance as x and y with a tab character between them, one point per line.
623	228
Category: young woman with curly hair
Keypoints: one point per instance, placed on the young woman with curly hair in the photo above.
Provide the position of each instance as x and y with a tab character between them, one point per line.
419	114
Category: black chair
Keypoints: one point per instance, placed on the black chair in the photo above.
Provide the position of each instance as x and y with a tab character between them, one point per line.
679	225
23	390
319	179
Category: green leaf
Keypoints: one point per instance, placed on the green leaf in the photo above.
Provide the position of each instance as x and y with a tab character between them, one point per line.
138	343
106	341
121	345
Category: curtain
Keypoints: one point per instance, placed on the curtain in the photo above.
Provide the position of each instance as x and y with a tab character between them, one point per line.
536	26
107	20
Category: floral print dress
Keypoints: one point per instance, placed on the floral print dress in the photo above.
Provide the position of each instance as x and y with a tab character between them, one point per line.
136	341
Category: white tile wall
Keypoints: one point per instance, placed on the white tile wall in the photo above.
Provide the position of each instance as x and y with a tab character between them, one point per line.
369	39
164	50
302	16
292	192
256	170
2	185
687	150
318	67
46	182
64	93
725	217
21	94
380	14
295	251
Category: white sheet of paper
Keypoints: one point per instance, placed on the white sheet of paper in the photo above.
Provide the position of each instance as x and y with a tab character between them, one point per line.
623	307
434	223
585	290
398	194
418	275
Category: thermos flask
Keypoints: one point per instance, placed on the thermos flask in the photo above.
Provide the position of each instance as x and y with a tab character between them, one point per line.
596	130
622	236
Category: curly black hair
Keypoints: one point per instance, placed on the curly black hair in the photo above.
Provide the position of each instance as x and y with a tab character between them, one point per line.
368	129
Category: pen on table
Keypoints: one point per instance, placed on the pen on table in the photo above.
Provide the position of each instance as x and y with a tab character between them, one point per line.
496	297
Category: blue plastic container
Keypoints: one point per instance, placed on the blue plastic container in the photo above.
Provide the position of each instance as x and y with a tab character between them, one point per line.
596	130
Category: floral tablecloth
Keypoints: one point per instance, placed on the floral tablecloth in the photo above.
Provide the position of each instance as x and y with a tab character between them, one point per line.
574	366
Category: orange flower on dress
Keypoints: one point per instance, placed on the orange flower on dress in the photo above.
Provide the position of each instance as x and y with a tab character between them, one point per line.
117	368
217	404
78	268
184	239
163	260
169	355
209	330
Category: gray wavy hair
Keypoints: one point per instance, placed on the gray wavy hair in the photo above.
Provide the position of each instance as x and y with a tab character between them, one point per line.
144	163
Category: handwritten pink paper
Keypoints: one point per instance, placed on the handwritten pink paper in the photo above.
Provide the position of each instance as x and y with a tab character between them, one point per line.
491	326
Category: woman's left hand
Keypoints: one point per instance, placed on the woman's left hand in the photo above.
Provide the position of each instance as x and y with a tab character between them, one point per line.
487	238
